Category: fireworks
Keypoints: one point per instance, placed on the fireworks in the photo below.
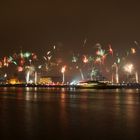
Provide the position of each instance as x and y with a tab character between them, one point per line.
85	41
133	50
63	69
110	50
85	60
129	68
86	64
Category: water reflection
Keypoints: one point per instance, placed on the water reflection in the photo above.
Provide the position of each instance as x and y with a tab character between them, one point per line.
69	113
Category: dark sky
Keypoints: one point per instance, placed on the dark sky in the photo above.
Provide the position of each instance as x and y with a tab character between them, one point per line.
36	24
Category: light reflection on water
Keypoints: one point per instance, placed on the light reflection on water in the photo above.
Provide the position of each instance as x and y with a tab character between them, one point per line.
69	113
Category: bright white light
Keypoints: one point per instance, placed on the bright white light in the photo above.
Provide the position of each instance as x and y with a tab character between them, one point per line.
74	82
63	69
5	75
129	68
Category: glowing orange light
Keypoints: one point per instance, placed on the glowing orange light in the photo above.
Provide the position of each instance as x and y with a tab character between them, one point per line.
63	69
133	51
85	60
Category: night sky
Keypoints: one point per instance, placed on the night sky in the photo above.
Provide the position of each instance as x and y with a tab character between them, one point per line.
35	24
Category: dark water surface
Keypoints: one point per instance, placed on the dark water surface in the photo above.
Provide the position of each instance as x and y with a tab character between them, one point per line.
68	114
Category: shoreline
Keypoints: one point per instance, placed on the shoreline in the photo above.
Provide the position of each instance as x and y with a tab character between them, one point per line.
110	86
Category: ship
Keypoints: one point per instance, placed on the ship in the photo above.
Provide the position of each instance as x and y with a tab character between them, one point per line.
91	84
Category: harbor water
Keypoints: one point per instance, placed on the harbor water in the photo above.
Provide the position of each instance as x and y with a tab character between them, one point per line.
69	114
